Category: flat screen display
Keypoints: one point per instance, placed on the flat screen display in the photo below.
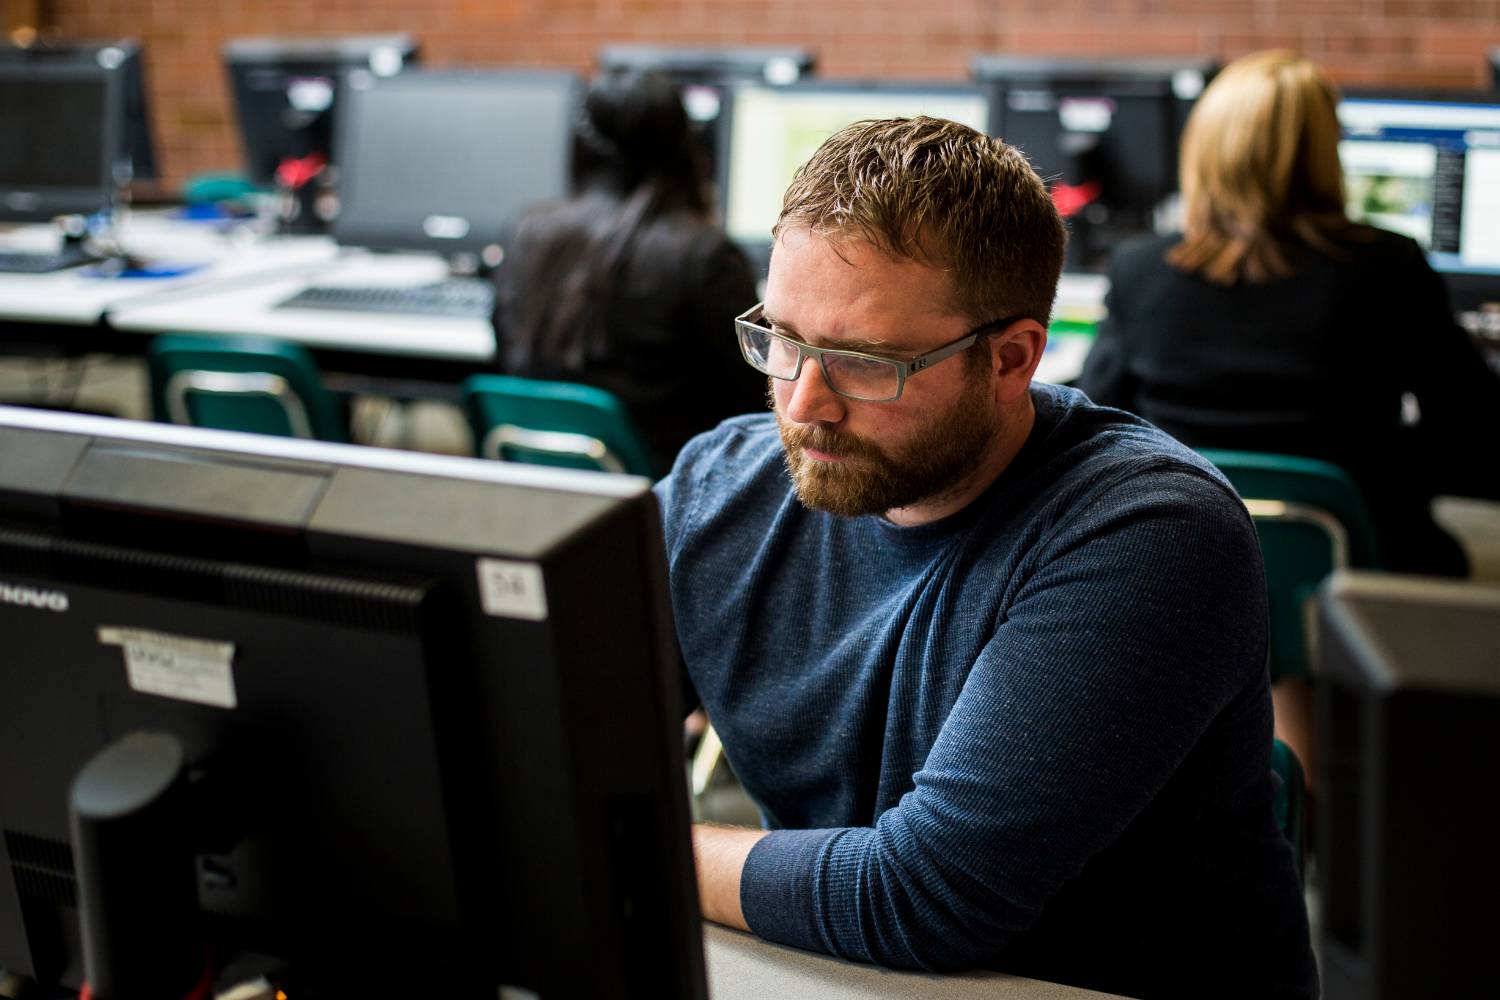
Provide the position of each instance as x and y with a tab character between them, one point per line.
448	161
1429	169
774	130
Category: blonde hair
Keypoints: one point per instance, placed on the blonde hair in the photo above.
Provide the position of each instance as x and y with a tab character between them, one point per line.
1260	170
944	195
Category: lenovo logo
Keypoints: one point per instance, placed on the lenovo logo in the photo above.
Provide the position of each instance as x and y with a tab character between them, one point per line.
30	597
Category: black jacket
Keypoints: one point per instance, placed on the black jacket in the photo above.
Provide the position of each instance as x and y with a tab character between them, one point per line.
671	355
1314	364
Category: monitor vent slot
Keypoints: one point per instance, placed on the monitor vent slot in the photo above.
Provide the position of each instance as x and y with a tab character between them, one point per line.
24	552
369	604
360	603
42	868
148	572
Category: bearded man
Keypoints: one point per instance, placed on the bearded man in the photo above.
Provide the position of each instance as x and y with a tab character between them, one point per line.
990	659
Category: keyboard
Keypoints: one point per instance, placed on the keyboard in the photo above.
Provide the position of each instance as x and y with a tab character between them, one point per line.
467	297
41	263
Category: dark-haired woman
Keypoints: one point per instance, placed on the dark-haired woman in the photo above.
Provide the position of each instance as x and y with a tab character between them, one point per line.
627	284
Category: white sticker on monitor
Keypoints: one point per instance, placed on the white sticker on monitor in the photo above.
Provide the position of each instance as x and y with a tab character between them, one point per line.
512	589
175	666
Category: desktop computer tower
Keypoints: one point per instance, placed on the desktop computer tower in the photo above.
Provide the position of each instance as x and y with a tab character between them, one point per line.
1408	861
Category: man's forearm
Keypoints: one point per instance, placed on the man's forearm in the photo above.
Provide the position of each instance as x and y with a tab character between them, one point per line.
719	853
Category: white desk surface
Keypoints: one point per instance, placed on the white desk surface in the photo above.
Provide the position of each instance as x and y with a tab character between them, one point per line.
249	308
73	297
743	967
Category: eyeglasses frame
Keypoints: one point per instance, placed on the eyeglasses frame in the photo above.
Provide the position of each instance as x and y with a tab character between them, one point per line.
755	315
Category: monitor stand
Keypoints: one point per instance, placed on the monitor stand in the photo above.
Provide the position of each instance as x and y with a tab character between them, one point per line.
132	832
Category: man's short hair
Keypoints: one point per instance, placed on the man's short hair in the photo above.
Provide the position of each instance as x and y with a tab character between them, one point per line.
944	195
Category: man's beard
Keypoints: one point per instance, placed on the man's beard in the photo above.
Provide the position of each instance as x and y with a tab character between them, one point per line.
873	480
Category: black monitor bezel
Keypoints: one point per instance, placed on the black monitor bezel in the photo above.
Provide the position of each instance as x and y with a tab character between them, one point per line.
45	202
140	133
329	56
1153	77
1145	71
360	234
707	64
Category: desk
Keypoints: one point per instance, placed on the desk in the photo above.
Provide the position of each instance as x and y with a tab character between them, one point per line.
743	967
74	298
237	293
347	345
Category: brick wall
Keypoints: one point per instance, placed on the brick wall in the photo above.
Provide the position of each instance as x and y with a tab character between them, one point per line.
1394	42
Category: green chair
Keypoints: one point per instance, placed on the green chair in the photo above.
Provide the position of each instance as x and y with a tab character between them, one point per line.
1311	520
1291	801
552	423
243	384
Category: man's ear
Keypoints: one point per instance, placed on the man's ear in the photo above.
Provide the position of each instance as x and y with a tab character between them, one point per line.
1014	356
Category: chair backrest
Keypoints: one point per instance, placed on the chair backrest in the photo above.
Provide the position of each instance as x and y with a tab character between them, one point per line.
1291	800
553	423
244	384
1311	520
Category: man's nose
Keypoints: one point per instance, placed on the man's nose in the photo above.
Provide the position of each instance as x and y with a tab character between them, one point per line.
811	401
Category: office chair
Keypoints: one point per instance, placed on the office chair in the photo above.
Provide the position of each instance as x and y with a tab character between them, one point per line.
254	384
552	423
1311	520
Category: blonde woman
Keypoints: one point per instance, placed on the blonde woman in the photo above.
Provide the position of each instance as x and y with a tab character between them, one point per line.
1273	323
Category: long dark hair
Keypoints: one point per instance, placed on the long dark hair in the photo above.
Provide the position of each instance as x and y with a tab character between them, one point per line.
634	159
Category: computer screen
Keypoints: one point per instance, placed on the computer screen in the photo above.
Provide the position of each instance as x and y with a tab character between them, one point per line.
703	74
124	55
768	132
1104	134
1428	167
63	125
430	708
1409	723
449	161
285	89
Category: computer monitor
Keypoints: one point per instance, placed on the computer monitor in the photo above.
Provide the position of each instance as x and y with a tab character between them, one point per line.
1409	721
63	126
1103	133
713	66
702	74
285	90
1428	165
448	161
768	132
430	709
126	57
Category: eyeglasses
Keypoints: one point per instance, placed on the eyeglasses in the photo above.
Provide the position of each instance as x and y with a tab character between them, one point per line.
852	374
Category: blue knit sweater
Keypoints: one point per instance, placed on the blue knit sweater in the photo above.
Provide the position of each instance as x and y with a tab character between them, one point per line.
1032	736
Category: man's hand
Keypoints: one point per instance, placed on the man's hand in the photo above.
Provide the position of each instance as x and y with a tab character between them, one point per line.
719	854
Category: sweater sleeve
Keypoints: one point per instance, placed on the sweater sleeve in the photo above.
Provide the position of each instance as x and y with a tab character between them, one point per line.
1137	624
